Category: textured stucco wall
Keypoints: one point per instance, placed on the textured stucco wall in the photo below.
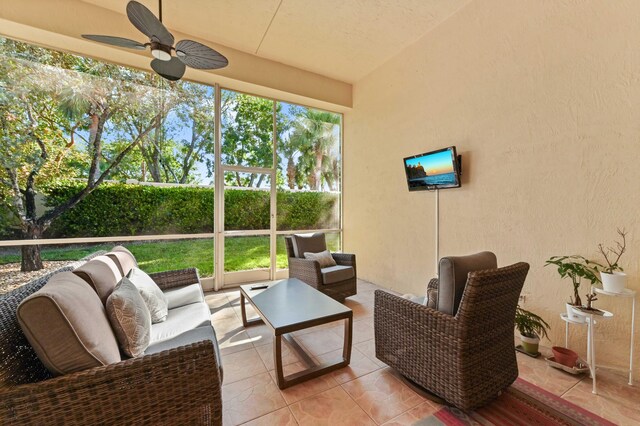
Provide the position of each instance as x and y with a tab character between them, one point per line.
542	99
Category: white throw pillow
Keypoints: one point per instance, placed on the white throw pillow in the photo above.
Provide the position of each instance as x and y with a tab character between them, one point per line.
155	299
130	318
324	258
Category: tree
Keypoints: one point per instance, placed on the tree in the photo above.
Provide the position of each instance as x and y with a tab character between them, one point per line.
247	135
316	136
40	120
182	137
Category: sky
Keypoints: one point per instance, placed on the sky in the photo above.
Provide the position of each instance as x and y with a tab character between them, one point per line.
434	164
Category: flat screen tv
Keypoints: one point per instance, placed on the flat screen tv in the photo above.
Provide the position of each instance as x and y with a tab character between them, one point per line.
433	170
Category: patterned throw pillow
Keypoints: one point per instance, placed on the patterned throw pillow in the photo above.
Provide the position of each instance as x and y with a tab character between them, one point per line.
324	258
154	298
431	301
129	318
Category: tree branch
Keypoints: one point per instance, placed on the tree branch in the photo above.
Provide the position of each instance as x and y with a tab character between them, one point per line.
51	215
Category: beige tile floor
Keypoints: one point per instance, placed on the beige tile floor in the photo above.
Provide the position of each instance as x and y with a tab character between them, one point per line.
366	392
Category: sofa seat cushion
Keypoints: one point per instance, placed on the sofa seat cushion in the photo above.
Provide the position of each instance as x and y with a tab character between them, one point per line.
180	320
312	243
102	274
198	334
334	274
181	296
66	324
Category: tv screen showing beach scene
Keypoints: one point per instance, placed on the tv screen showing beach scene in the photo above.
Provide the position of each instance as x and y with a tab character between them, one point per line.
433	170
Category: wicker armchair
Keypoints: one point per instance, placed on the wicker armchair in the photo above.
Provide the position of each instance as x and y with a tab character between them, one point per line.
309	271
466	359
176	386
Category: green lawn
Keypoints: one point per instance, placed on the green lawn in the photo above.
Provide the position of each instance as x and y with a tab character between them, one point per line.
241	253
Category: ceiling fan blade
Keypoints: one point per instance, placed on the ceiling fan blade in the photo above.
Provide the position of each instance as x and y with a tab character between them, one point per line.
197	55
148	24
115	41
171	70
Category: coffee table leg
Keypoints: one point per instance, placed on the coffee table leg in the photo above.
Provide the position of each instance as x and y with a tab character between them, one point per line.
247	322
277	357
315	370
243	310
348	338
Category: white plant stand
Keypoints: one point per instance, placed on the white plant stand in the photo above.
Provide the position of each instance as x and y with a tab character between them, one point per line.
628	294
591	347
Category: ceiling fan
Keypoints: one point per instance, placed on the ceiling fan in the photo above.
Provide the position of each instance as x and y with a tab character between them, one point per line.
187	52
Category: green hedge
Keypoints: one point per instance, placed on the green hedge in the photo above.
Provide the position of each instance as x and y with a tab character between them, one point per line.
121	210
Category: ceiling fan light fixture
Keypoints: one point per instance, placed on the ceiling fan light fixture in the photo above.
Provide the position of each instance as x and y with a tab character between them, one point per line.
160	51
161	54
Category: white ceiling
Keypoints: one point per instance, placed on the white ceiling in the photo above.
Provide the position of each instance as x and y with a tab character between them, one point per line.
341	39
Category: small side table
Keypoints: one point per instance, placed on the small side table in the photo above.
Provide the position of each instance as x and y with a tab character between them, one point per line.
590	321
628	294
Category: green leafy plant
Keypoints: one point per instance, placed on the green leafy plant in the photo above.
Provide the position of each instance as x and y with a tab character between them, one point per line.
576	268
529	324
615	253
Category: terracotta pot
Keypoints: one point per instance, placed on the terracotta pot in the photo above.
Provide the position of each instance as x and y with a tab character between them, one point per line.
565	356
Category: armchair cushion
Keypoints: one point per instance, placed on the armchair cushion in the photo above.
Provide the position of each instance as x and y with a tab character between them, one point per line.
335	274
66	324
453	272
130	318
302	243
324	258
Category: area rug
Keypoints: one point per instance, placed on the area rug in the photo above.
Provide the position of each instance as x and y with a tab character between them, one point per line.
521	404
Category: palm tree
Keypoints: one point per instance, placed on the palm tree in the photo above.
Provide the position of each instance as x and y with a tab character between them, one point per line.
315	134
289	148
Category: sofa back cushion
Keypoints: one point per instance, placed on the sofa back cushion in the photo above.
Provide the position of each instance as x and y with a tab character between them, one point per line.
102	274
453	272
123	259
19	363
305	243
66	324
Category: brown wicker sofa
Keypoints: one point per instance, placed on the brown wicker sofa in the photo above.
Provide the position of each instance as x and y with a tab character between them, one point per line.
338	282
466	357
176	382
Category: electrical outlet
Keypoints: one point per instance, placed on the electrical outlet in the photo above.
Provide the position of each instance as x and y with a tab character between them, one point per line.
522	298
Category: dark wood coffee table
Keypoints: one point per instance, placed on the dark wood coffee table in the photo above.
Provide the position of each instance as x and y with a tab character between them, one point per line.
291	305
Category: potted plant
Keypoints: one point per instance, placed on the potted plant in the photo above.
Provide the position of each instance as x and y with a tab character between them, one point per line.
576	268
613	279
531	328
